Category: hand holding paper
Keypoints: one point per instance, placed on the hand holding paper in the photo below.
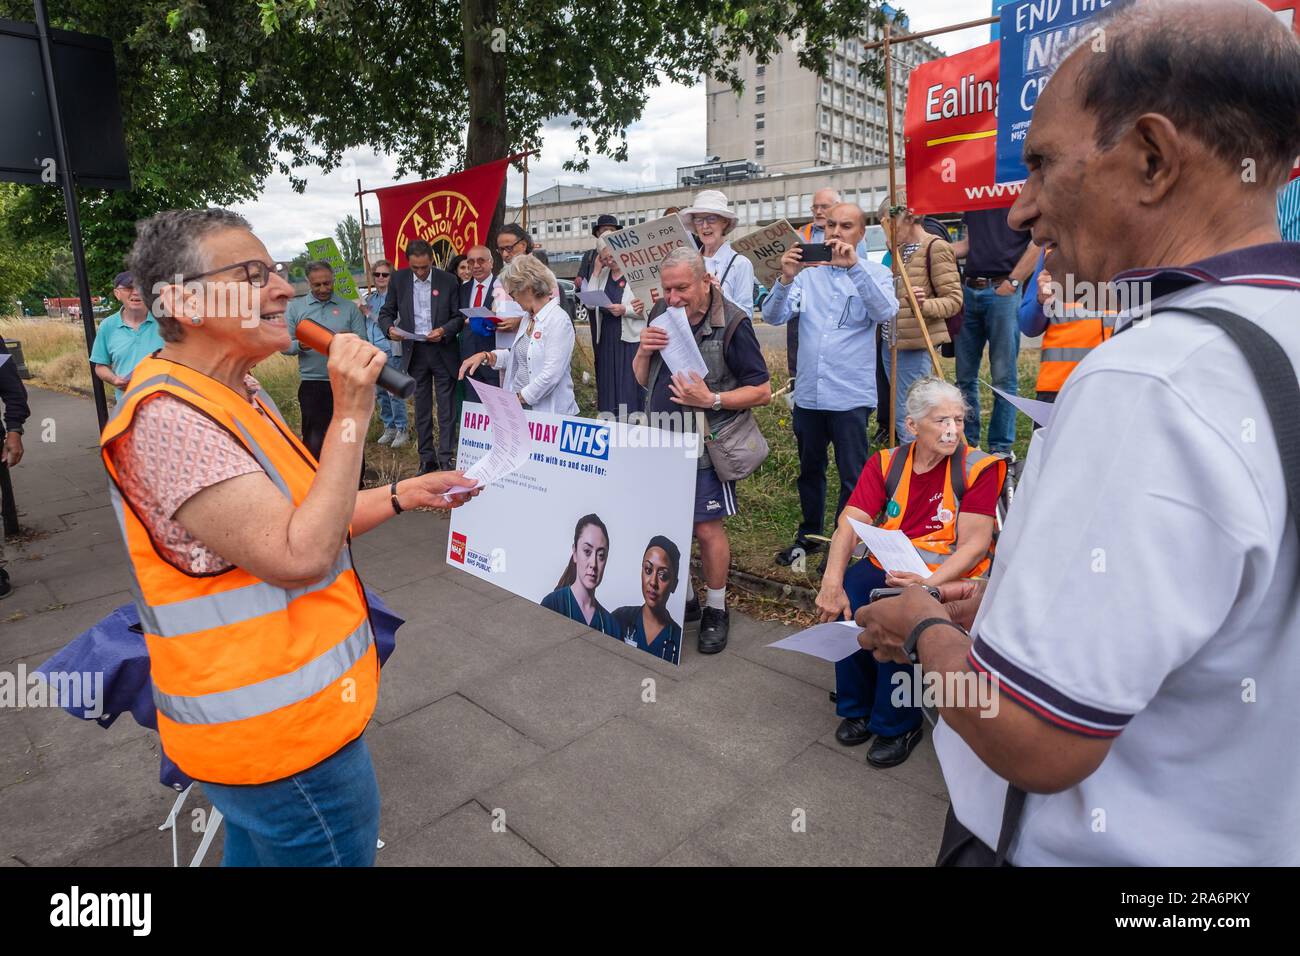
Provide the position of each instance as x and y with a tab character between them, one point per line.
510	439
594	298
682	353
893	549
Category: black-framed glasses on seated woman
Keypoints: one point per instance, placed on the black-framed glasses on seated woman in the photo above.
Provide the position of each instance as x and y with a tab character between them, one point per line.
256	272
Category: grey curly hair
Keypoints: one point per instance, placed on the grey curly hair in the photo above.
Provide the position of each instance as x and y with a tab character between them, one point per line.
167	245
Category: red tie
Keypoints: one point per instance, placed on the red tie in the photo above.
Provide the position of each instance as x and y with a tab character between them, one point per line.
478	294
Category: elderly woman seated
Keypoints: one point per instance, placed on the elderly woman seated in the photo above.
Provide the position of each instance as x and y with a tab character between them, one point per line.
943	496
536	366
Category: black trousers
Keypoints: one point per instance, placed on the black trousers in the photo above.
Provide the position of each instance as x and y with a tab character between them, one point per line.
434	369
882	383
960	847
316	399
813	431
471	343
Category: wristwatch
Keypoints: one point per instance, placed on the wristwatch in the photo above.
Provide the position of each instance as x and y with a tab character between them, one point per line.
1015	283
717	401
909	645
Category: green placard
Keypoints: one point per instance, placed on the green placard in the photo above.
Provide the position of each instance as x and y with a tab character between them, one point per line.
327	250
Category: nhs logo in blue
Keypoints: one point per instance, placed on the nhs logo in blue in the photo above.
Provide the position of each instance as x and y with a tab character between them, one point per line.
585	438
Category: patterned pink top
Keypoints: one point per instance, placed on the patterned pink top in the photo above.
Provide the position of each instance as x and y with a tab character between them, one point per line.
171	453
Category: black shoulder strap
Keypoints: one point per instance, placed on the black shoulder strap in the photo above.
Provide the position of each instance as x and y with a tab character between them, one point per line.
1276	377
734	256
897	462
957	471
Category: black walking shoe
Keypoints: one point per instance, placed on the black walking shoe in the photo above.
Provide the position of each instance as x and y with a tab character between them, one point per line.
800	549
853	731
692	609
891	751
714	625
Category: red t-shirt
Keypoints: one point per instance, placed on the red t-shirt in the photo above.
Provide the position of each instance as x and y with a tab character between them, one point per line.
925	497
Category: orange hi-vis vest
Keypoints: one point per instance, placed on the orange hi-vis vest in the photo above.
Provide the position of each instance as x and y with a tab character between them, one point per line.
252	682
805	232
1068	338
963	467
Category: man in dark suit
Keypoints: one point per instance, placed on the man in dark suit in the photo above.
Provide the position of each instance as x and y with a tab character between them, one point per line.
478	292
422	303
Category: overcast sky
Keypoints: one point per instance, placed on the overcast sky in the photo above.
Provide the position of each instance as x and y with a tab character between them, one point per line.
670	134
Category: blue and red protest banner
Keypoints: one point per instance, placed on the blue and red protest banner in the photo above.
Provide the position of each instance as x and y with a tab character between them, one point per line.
1034	35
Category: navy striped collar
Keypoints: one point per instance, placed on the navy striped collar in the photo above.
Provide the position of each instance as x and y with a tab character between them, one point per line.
1272	265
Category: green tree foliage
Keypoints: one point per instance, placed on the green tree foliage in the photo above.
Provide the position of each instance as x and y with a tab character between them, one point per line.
278	85
348	236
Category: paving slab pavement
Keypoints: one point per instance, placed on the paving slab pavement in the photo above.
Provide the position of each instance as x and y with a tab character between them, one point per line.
505	735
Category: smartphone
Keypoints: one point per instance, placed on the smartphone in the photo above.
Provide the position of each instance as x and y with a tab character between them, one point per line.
815	252
879	593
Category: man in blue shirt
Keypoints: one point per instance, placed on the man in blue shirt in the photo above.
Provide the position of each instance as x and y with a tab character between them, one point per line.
337	314
840	303
125	337
392	410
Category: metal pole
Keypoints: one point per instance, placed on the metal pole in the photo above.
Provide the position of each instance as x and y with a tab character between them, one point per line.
365	253
64	171
525	209
904	37
893	249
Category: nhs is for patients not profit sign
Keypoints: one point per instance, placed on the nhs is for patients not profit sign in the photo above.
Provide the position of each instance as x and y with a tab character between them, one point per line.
639	482
1034	33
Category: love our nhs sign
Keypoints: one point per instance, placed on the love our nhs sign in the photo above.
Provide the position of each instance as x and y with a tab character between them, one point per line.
1034	33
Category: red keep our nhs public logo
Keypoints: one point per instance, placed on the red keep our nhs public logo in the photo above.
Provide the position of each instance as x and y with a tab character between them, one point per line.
458	543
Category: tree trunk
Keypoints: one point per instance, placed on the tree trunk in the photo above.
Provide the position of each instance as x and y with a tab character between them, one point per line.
485	76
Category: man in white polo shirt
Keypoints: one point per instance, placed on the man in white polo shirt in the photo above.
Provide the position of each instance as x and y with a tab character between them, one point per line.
1143	618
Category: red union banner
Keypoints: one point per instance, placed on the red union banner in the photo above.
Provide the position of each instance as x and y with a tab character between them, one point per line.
451	213
951	129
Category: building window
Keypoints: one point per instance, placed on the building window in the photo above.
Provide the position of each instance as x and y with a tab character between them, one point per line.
837	98
759	120
767	209
825	119
760	70
826	92
760	94
823	147
759	149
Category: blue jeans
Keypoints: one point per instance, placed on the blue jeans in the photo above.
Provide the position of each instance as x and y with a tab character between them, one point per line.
863	685
328	815
991	319
392	410
912	364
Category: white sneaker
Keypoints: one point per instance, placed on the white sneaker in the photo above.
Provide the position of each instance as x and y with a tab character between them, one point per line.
400	438
387	436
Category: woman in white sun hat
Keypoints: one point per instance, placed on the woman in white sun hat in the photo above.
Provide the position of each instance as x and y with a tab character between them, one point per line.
711	219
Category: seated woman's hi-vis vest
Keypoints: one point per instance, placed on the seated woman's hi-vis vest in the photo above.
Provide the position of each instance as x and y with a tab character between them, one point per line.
961	470
252	682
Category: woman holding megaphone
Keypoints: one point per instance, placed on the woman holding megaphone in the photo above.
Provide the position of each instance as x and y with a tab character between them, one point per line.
261	651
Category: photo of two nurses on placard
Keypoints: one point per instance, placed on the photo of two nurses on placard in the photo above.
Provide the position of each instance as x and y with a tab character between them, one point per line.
647	625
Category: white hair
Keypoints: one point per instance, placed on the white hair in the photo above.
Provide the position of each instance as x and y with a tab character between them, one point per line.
928	392
685	256
835	194
527	272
